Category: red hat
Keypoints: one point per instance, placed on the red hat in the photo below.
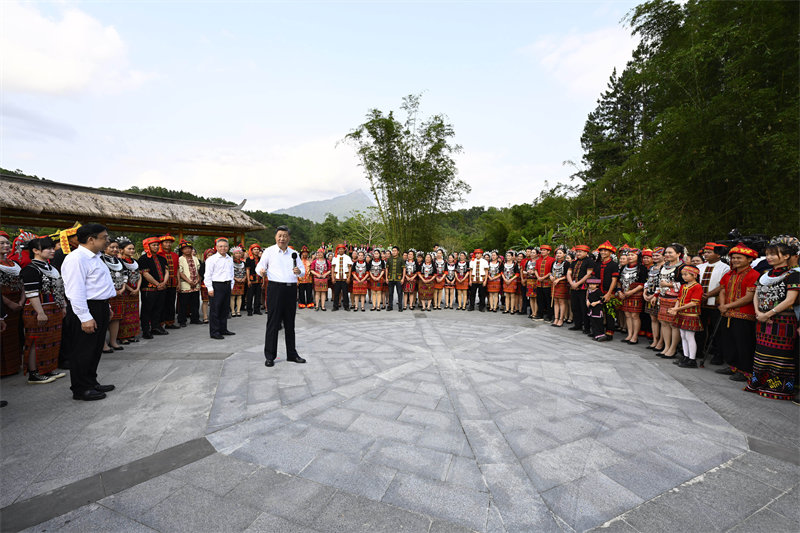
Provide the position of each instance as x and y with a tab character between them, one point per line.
340	246
167	237
711	246
147	242
209	252
741	249
4	234
478	251
304	249
608	246
546	247
250	250
220	239
184	244
691	268
647	252
583	247
659	250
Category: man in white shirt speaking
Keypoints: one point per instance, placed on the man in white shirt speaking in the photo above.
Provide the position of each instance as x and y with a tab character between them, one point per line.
282	267
88	287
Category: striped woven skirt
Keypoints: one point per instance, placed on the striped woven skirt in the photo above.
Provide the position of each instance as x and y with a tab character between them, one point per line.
360	286
633	304
379	285
775	363
561	290
130	325
651	307
45	337
494	285
320	284
425	288
116	305
510	287
410	286
665	303
689	322
239	288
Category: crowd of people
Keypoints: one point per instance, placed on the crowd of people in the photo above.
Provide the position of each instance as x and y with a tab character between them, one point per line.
734	304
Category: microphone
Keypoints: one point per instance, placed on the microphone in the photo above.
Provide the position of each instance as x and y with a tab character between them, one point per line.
294	259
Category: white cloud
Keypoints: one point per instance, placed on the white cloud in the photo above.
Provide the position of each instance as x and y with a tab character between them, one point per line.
582	62
271	177
64	54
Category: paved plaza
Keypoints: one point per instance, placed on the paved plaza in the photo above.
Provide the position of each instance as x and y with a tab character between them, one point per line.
445	421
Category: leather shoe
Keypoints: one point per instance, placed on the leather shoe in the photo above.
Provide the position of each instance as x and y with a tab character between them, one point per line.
738	377
88	395
228	333
104	388
160	331
257	313
297	359
573	328
217	337
172	326
269	362
724	371
147	336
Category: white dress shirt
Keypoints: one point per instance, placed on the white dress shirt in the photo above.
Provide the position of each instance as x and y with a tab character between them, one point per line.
278	265
218	268
478	268
718	270
340	267
86	277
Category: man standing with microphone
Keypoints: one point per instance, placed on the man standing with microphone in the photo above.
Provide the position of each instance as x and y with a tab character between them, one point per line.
282	268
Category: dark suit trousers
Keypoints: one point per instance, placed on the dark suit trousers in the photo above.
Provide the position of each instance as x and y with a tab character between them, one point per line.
87	348
253	302
340	287
282	305
188	306
395	286
168	310
579	310
151	310
219	306
477	289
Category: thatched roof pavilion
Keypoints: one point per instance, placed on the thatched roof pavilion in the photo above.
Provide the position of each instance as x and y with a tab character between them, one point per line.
26	202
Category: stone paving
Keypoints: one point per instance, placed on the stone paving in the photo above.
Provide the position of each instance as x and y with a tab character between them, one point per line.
442	421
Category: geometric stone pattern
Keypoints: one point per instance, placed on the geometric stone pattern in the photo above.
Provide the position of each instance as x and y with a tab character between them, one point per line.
430	422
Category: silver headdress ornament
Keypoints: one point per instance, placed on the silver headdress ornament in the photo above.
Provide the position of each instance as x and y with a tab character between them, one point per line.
792	242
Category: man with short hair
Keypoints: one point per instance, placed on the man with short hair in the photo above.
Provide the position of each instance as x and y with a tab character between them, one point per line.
544	265
155	277
394	275
218	278
580	271
171	290
711	272
89	287
608	272
282	268
341	265
478	269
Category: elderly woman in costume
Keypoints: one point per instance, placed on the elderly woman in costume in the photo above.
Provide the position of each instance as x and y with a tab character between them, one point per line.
119	275
129	326
44	312
13	300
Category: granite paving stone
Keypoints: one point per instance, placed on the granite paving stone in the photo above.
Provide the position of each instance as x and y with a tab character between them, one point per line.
350	474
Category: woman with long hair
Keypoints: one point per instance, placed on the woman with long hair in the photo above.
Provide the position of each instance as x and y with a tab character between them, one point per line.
130	325
119	275
669	283
462	280
560	287
510	281
494	283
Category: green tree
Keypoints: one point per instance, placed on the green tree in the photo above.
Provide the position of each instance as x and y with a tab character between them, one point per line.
410	169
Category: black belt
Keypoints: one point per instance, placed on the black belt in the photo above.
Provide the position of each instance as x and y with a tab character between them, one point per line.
281	284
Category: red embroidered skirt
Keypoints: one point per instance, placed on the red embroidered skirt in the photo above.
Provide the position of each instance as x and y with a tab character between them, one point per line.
651	307
410	286
531	284
510	287
665	303
379	285
238	288
438	285
117	307
360	286
45	336
561	290
320	284
10	346
462	285
425	288
775	362
130	325
689	322
204	292
494	285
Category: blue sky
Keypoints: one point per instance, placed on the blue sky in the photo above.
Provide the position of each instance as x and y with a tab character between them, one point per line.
249	99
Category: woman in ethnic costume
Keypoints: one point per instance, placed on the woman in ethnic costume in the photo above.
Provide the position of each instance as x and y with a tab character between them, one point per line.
462	280
119	275
631	284
450	281
669	282
321	271
129	325
531	282
377	280
427	280
44	312
305	283
440	268
493	282
687	314
13	300
410	281
775	362
239	281
560	287
510	282
650	297
360	282
203	289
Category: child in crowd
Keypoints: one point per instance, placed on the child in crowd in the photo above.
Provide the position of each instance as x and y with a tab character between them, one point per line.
594	302
688	313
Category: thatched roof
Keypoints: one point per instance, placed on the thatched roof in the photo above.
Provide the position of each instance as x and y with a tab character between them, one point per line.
32	202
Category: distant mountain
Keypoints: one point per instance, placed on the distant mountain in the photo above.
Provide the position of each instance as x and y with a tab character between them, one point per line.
341	206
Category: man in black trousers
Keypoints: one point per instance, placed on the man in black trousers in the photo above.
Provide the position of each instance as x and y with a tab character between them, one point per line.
89	288
218	277
282	267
